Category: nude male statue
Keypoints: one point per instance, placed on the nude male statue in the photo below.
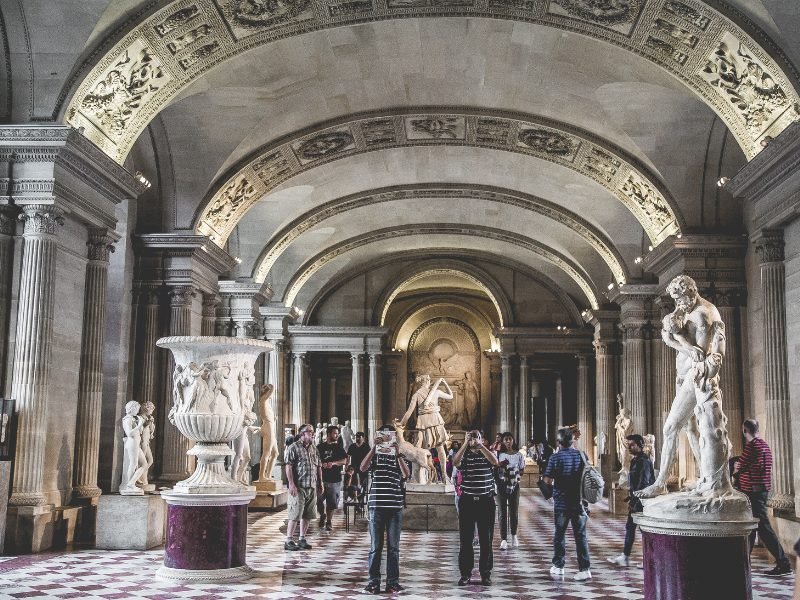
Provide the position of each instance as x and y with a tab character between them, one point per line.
696	331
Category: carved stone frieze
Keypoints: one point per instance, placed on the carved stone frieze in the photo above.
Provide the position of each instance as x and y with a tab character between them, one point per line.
177	19
682	36
197	55
546	139
100	245
668	49
349	7
182	42
605	12
248	16
687	13
41	219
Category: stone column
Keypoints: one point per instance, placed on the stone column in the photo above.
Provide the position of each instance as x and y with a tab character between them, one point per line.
331	398
90	386
559	403
208	324
605	397
523	414
634	382
276	375
769	246
296	415
665	393
318	400
355	394
175	464
492	415
731	382
585	416
8	227
31	370
505	393
374	400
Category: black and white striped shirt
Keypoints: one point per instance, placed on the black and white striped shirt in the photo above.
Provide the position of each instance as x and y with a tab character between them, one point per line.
386	489
476	473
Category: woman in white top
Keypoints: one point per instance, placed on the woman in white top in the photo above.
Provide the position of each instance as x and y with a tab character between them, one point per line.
509	471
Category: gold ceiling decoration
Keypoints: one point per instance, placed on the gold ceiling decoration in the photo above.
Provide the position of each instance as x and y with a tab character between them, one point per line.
739	74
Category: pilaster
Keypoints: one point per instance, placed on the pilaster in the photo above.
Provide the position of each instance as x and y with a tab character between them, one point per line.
585	412
297	416
8	227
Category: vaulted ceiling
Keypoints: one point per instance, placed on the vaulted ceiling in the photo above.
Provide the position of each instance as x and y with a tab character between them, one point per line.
315	137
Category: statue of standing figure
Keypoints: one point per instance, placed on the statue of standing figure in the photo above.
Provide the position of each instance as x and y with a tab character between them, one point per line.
425	402
623	427
240	465
134	463
269	436
148	434
695	329
347	435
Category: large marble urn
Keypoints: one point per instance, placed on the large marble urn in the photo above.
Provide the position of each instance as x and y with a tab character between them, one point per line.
213	390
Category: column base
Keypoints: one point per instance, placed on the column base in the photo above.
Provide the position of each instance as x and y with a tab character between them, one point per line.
29	529
206	537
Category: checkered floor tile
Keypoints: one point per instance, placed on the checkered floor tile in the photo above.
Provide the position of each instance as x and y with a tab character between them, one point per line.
336	566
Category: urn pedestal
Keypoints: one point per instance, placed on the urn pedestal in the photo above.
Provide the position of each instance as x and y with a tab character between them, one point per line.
207	512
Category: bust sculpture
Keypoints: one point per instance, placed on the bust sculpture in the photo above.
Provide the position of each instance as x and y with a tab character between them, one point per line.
269	436
134	463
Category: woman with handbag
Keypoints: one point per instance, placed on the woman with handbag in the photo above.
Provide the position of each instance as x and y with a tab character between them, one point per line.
509	472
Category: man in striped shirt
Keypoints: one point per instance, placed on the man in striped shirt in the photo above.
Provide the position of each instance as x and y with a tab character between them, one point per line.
754	471
476	506
385	505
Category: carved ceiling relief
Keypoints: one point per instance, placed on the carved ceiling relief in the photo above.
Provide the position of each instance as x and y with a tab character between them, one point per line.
435	128
617	14
648	201
547	141
740	78
323	145
246	17
229	201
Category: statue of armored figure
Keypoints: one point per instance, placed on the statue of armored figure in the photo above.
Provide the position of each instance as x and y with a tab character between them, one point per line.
134	463
696	331
623	427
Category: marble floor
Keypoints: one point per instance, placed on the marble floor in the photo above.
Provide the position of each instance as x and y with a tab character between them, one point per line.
336	566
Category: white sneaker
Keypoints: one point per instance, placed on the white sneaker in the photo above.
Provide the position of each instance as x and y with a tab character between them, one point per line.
620	561
583	575
514	541
503	545
556	572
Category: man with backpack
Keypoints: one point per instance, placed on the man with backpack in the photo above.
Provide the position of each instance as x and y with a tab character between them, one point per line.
565	472
639	477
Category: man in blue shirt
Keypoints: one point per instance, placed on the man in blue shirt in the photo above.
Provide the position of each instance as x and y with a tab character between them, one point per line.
564	470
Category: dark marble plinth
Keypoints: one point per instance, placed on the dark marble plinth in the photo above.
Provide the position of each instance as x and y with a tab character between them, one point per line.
206	537
687	567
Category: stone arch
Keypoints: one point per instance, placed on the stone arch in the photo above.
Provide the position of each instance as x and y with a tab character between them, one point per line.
281	240
316	262
622	174
689	39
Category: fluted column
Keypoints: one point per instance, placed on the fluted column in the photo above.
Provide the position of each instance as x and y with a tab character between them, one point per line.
209	319
523	414
147	355
174	462
318	400
730	378
769	246
298	389
355	395
605	397
559	402
585	421
31	370
331	399
8	226
90	386
505	393
374	398
635	376
276	375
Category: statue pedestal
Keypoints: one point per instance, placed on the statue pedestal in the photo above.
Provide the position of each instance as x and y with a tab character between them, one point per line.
206	537
130	522
270	494
430	511
434	488
616	500
699	555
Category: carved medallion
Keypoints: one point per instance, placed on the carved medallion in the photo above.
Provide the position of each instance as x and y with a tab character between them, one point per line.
261	14
605	12
379	132
436	128
546	141
324	144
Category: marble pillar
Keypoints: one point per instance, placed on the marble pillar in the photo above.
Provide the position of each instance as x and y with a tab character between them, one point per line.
175	464
148	355
276	375
585	412
665	393
8	227
355	394
296	415
605	397
318	400
34	337
374	413
523	412
769	246
331	399
634	375
90	386
208	324
505	393
731	376
559	403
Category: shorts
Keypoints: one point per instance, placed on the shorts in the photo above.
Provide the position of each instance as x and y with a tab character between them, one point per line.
330	494
302	506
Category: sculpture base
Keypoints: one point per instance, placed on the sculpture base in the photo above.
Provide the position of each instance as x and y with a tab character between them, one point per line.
270	495
268	485
616	501
695	550
430	511
433	488
206	537
130	522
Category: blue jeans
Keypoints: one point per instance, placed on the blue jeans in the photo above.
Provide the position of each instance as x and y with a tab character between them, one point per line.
388	522
578	519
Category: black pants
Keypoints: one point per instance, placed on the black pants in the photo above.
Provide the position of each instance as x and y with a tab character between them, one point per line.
758	500
630	535
509	511
472	511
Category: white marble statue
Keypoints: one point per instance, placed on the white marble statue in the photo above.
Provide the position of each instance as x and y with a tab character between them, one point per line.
133	461
600	443
695	329
335	421
347	435
148	435
269	436
319	434
423	471
650	447
623	428
247	382
425	402
240	464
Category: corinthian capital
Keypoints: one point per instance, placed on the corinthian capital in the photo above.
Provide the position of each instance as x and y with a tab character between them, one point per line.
100	245
769	246
41	219
181	296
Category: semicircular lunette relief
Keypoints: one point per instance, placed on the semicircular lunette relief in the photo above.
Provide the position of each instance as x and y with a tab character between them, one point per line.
625	177
315	263
736	69
281	240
